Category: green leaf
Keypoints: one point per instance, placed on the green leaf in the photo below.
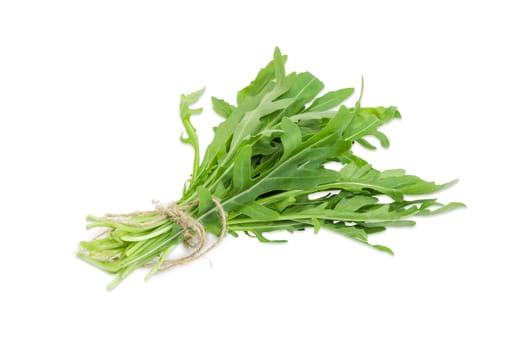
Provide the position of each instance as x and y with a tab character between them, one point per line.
263	239
205	200
383	139
330	100
258	212
221	191
242	169
392	223
443	209
358	234
363	142
186	112
382	248
222	108
317	224
279	69
291	137
304	88
265	76
392	173
251	122
418	186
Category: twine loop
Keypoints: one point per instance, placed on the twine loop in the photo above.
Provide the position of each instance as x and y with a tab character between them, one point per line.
193	231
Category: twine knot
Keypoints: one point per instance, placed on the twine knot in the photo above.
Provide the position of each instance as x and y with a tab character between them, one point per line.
193	231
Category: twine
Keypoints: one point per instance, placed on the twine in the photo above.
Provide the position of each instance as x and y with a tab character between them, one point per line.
193	231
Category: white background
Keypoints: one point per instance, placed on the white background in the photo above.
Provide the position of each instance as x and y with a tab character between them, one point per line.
88	124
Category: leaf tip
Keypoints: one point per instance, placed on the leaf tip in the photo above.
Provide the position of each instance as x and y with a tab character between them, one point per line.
448	184
383	249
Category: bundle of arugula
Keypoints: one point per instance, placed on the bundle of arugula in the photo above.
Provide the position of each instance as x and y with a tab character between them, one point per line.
266	170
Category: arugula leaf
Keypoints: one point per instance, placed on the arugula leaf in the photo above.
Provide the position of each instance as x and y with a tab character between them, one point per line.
330	100
222	108
186	112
